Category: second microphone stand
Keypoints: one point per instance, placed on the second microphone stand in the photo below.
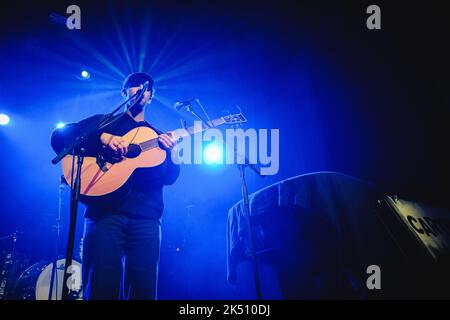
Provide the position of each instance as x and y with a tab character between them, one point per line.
245	201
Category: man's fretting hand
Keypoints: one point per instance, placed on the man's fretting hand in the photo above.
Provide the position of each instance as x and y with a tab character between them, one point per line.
167	141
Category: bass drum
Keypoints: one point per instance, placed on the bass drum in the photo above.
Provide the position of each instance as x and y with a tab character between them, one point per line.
34	283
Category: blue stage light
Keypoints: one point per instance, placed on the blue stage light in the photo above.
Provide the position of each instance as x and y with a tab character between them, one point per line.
4	119
212	154
85	75
60	125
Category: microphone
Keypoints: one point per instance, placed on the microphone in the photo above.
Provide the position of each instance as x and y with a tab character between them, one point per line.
143	88
181	104
137	97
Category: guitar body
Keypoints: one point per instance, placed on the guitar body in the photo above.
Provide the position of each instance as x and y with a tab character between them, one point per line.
102	174
98	182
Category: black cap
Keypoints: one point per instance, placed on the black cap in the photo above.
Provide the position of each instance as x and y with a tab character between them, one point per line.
136	79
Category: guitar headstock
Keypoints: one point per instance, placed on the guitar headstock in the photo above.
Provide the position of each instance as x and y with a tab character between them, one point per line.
234	118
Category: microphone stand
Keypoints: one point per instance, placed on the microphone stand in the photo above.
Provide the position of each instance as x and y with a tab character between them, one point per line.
189	108
54	275
246	207
75	149
204	111
246	204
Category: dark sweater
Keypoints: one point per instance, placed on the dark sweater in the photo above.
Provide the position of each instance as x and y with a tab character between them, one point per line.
141	196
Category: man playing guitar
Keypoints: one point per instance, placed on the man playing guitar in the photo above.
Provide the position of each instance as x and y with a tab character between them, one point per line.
122	229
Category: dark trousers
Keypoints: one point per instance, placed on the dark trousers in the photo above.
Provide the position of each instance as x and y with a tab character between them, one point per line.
120	258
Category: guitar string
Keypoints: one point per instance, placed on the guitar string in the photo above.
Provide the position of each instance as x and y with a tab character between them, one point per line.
153	143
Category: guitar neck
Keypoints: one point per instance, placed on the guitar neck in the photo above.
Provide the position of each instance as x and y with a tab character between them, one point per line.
196	129
153	143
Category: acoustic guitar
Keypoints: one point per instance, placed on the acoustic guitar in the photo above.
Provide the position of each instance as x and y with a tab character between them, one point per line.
103	174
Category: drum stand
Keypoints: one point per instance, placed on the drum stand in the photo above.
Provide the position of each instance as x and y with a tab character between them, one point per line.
8	266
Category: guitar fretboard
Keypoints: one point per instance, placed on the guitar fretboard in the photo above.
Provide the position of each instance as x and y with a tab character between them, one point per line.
153	143
149	144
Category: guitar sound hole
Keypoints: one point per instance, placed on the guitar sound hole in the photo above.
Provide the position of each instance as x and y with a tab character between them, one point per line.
110	156
133	151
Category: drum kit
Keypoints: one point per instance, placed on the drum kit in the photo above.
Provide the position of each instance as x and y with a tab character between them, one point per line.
42	280
35	283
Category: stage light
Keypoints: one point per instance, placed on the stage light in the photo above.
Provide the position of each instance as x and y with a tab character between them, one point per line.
4	119
212	154
85	75
60	125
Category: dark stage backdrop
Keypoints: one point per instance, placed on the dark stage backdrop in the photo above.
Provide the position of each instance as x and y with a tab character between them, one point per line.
370	104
